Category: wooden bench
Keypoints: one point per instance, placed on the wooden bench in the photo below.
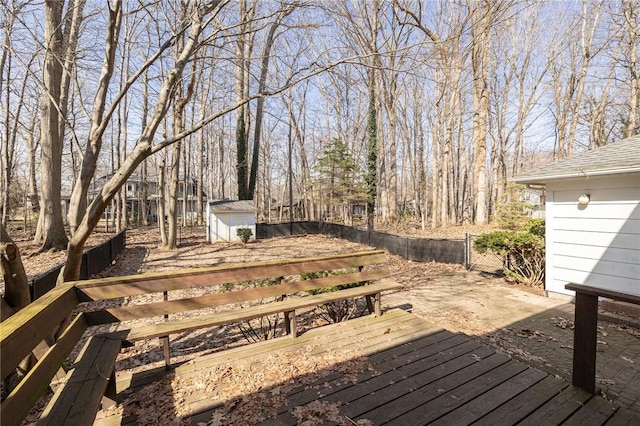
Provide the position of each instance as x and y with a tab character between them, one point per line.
286	293
586	330
80	394
90	382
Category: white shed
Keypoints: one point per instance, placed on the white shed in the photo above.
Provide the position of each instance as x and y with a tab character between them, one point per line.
224	217
592	218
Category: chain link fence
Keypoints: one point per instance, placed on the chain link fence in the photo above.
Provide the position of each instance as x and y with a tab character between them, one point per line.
487	262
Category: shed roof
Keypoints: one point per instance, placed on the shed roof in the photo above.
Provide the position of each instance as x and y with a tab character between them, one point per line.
240	206
618	157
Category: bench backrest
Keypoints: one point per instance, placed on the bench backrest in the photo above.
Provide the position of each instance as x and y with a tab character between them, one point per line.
116	287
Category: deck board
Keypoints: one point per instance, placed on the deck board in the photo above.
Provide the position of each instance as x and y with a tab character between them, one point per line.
595	412
419	374
525	403
495	397
376	391
558	409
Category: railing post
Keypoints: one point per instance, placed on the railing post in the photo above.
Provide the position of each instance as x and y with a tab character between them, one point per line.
585	342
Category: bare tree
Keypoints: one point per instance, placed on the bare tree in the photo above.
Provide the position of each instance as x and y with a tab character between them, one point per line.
569	73
91	215
285	10
61	39
632	30
182	97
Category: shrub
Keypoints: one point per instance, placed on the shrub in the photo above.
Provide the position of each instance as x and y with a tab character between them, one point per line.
245	234
261	328
334	312
522	252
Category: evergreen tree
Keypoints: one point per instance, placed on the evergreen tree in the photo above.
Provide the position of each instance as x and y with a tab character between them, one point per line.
242	166
339	178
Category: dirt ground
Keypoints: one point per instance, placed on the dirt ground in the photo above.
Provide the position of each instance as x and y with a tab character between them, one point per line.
36	262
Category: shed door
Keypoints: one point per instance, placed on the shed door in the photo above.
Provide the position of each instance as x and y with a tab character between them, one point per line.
223	227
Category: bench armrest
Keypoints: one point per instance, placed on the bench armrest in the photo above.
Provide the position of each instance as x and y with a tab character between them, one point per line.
601	292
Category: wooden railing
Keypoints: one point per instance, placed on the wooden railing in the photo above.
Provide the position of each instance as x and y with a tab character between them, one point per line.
586	330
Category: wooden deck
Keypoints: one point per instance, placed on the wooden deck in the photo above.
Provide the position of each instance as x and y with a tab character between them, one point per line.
416	374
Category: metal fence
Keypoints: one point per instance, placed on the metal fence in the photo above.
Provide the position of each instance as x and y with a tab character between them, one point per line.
416	249
94	260
487	262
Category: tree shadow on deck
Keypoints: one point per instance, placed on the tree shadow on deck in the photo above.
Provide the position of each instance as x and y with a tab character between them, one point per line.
396	368
544	340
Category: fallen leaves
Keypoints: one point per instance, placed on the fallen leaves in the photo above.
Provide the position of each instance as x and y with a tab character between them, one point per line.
321	412
563	323
533	334
251	390
629	360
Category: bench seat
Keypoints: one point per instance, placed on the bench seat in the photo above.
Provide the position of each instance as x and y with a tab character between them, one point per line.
89	384
242	314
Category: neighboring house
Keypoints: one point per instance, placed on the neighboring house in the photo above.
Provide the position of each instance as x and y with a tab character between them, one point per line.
592	218
534	198
134	194
224	217
282	210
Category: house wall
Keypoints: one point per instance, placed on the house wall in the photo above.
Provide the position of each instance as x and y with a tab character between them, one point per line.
597	244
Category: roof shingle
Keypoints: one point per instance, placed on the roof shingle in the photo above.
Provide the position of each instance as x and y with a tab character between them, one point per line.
618	157
232	206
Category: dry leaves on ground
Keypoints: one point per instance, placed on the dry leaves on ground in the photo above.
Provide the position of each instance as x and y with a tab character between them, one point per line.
248	391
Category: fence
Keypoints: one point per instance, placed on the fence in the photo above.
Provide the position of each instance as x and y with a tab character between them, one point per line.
487	262
416	249
94	260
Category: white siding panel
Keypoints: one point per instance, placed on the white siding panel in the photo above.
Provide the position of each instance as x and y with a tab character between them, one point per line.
601	224
602	239
626	210
598	252
598	266
599	195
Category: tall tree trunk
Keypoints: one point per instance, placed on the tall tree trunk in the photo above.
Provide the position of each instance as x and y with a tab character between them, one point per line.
32	191
174	181
479	55
181	100
8	148
243	63
631	28
264	69
372	152
162	214
144	174
144	146
200	178
51	142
